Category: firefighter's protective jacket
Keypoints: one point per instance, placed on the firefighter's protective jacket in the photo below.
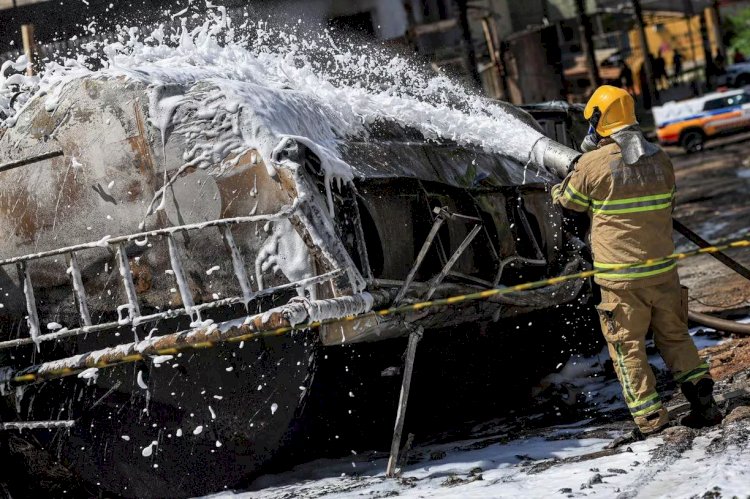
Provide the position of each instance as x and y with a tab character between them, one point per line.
631	212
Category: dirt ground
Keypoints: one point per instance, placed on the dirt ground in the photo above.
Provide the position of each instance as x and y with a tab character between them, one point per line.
712	200
728	358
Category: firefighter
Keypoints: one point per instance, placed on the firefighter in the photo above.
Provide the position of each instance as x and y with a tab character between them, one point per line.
627	185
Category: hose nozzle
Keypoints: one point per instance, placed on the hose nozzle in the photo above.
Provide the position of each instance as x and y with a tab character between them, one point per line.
554	157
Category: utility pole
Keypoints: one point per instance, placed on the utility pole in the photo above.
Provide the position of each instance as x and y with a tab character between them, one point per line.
411	40
716	24
496	58
707	54
704	38
471	57
689	14
648	84
29	47
587	43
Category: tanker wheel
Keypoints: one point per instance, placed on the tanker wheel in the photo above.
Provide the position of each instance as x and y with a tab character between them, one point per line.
214	421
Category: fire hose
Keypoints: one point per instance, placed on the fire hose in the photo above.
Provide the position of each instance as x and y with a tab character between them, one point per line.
719	324
708	320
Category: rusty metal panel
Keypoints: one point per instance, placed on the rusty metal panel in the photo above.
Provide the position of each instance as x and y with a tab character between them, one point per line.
106	184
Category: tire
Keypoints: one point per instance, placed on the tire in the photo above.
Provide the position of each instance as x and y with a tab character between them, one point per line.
693	141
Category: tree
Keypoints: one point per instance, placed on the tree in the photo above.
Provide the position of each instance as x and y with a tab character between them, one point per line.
738	30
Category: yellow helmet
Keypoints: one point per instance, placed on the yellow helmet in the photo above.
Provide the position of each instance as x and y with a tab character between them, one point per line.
616	110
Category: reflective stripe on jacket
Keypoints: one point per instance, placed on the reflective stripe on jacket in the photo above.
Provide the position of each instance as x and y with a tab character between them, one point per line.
631	212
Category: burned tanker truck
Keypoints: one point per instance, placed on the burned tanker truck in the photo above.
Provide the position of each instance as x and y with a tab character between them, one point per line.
151	285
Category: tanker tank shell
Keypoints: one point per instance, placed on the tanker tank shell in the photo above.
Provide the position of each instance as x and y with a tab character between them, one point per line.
109	182
187	207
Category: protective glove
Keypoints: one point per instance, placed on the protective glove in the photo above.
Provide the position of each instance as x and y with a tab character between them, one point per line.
556	192
590	143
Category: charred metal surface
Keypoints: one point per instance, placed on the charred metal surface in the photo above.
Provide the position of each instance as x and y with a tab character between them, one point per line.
113	164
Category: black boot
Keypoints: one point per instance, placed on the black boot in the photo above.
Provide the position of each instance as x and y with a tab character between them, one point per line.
703	409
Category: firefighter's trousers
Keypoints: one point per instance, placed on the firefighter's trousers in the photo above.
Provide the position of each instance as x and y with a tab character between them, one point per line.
626	316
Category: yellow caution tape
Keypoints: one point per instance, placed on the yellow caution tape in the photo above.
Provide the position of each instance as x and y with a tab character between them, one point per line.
401	309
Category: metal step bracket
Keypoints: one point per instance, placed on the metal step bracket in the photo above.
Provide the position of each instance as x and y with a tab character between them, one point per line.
238	263
80	294
134	310
452	261
442	214
32	316
182	284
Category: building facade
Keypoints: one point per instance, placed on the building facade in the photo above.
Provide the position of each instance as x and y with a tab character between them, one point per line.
520	51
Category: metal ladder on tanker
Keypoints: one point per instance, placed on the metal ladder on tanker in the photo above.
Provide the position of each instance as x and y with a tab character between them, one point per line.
134	317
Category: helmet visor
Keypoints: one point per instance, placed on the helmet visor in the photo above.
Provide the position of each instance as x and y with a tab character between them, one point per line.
596	116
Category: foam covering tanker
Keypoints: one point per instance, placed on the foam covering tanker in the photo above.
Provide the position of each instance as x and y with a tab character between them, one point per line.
114	236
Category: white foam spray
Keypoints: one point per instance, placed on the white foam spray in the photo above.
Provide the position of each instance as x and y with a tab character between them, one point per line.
282	81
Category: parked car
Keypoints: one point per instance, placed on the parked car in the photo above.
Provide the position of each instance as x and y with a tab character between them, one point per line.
690	123
736	75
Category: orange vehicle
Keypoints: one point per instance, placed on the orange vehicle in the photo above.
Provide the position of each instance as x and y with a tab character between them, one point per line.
692	122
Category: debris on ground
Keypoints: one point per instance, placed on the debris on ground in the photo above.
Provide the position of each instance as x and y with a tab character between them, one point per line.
527	456
730	358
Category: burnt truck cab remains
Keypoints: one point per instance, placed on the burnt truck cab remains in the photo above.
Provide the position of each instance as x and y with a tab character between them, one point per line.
113	243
